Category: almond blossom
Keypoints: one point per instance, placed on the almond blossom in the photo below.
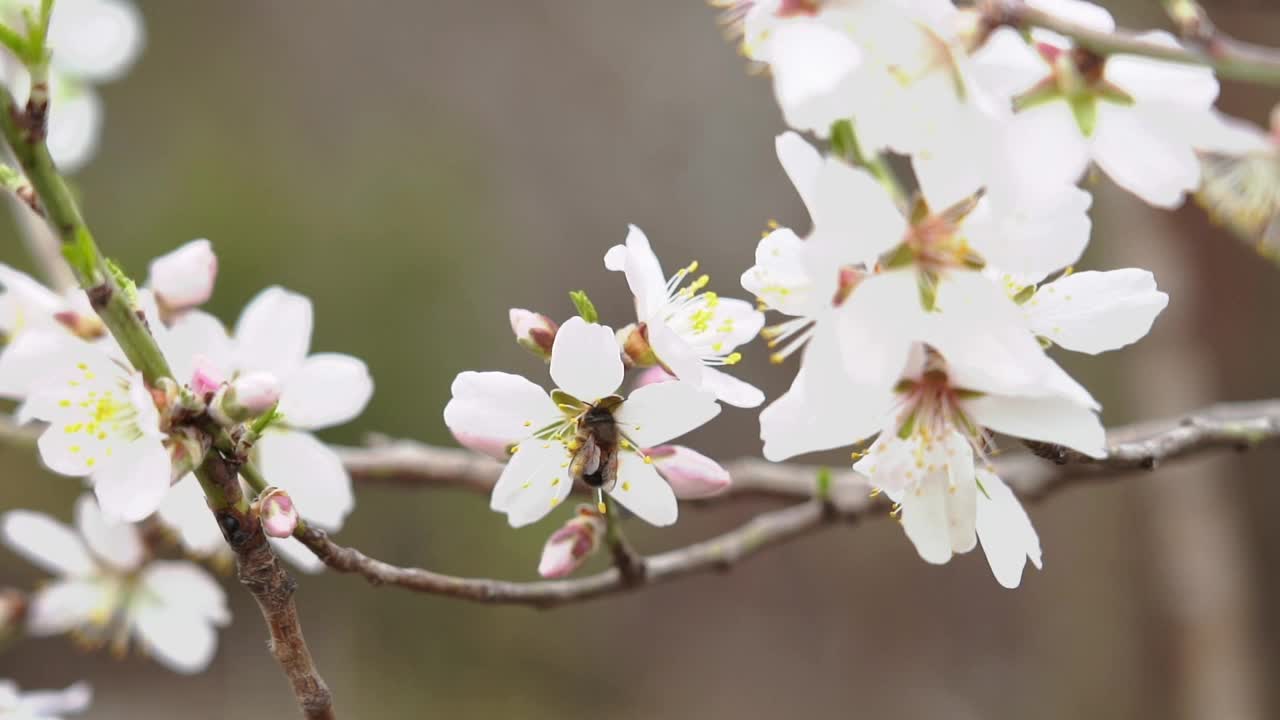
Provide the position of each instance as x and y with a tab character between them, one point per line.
588	371
690	332
108	591
38	326
1093	312
42	704
183	278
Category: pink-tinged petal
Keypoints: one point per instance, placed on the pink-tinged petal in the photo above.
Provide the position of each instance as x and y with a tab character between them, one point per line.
66	605
311	472
730	390
1050	420
1094	312
183	279
643	491
690	474
652	376
46	543
196	338
534	482
852	206
571	545
644	275
133	484
802	163
495	409
274	332
115	543
1008	538
329	389
655	414
1136	151
585	361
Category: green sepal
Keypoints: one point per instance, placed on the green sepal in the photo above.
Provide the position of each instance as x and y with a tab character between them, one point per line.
586	309
928	285
1084	108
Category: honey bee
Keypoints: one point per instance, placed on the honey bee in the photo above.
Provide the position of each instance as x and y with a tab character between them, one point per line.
595	460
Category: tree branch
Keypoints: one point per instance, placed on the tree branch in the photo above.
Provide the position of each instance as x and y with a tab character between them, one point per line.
1137	447
1229	58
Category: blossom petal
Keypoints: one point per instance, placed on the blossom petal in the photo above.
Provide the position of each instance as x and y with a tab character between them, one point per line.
802	163
877	326
1050	149
962	503
329	389
66	605
1050	419
500	407
1032	239
48	703
925	520
1093	312
115	543
638	262
185	511
96	39
28	357
1080	12
533	483
132	486
853	207
46	543
812	65
274	332
75	124
643	491
584	360
1008	538
1149	80
729	389
188	586
179	640
1137	152
311	472
675	353
690	474
657	413
196	336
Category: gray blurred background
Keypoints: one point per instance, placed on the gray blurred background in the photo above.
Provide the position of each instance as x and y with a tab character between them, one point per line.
419	167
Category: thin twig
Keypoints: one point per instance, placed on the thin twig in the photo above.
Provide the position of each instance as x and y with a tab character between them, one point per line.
1228	57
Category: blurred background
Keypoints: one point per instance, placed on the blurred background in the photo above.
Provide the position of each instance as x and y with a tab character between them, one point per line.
418	167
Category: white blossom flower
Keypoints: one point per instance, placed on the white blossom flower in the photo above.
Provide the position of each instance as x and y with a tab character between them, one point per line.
108	590
587	369
1139	119
92	41
692	333
103	424
38	327
42	704
183	278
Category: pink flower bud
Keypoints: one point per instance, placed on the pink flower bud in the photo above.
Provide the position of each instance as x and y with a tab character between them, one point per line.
535	332
248	396
690	474
86	326
183	279
276	511
207	377
653	376
571	545
636	350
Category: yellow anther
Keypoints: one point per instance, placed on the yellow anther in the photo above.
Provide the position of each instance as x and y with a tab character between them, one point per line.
75	449
626	486
777	358
875	492
64	403
527	423
602	508
82	366
773	224
648	460
514	449
555	482
693	267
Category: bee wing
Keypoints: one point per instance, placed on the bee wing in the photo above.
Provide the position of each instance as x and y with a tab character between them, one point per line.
609	469
586	461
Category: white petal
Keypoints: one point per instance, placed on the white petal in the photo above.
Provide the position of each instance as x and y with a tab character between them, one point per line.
184	277
28	357
802	163
193	336
48	703
115	543
498	406
643	491
95	39
729	389
638	262
177	639
1093	312
924	518
1049	147
1008	539
46	543
297	554
75	123
962	493
68	604
792	426
1148	80
853	207
274	332
185	511
533	483
655	414
779	277
1092	16
1051	420
584	360
876	327
1006	64
186	585
1135	151
1027	239
311	473
329	389
811	64
675	353
131	486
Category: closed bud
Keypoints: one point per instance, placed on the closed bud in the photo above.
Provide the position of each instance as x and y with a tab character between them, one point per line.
534	331
690	474
277	513
183	279
634	341
248	396
570	546
206	378
86	326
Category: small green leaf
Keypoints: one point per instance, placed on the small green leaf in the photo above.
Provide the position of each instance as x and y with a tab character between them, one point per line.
126	284
586	309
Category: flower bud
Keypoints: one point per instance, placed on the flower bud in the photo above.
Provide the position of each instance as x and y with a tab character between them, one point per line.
535	332
183	279
277	513
248	396
634	341
206	378
690	474
86	326
653	376
571	545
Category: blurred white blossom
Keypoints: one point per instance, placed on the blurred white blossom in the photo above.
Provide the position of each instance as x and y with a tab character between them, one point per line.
42	704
